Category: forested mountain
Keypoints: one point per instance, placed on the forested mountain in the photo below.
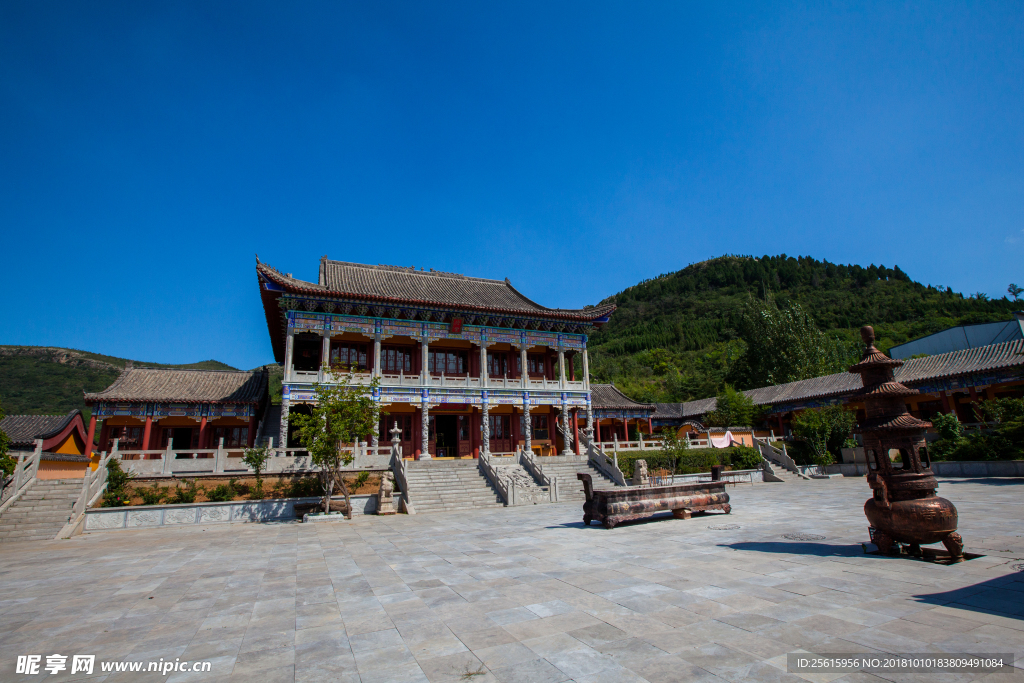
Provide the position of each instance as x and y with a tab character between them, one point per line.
675	337
45	380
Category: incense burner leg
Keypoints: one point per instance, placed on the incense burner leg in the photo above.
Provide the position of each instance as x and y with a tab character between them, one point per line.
955	545
884	542
681	513
727	508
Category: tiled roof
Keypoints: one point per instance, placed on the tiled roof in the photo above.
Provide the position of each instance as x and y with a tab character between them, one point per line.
22	430
692	409
913	371
395	284
980	359
187	386
607	397
667	411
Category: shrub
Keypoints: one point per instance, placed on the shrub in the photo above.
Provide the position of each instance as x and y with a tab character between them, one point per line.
223	492
303	487
152	496
361	479
824	430
744	458
256	458
692	460
186	491
117	493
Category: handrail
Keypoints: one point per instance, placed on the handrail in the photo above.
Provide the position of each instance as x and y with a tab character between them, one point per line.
398	469
778	457
94	483
24	475
505	488
528	463
600	461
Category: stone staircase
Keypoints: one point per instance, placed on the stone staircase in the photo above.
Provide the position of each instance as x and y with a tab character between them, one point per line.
570	489
448	485
41	512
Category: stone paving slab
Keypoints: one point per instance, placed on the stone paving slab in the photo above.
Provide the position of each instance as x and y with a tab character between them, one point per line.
523	594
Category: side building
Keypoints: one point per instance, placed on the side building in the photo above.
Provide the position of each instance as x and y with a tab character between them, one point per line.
461	361
953	382
64	448
155	409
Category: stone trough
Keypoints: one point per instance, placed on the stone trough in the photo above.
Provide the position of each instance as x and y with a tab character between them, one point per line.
613	506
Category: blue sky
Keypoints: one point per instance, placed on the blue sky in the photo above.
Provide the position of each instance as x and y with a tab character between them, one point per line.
149	150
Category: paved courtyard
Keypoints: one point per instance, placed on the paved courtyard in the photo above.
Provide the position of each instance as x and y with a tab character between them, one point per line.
522	594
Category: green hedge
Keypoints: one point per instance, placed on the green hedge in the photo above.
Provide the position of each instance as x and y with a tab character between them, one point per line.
692	460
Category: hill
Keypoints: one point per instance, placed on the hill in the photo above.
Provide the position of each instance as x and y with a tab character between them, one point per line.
44	380
674	337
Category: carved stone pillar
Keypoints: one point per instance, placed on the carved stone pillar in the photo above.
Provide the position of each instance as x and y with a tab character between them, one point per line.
485	446
425	423
561	368
567	438
527	426
283	436
590	410
289	351
586	374
375	435
524	375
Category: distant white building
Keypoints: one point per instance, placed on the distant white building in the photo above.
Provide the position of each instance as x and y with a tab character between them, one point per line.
963	337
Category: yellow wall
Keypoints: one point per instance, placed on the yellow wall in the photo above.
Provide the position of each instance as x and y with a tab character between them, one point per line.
56	469
71	445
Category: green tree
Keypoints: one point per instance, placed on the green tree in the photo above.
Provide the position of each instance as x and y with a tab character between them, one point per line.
1014	291
256	458
341	414
733	409
784	344
824	430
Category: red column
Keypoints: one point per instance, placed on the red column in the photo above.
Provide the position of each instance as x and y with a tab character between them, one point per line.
416	438
202	432
650	428
251	439
514	428
782	429
597	421
474	434
91	436
104	436
576	429
945	402
146	432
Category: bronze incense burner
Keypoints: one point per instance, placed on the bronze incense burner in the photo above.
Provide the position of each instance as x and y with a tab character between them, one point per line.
904	507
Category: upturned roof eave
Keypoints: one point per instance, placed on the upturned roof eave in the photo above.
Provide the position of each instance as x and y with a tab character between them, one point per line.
294	286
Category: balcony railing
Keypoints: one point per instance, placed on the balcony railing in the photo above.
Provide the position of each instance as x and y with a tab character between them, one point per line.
414	380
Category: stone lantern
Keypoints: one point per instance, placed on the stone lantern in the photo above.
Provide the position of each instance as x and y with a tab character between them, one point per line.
904	507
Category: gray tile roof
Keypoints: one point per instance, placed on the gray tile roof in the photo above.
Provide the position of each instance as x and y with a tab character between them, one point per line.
667	411
915	371
22	430
187	386
607	397
396	284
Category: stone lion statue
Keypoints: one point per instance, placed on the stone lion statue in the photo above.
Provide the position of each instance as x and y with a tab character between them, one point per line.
385	495
640	477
